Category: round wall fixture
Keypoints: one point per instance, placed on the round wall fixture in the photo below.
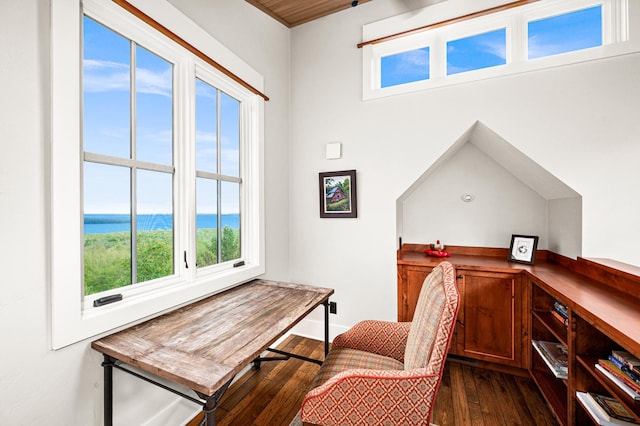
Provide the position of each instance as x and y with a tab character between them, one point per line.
467	198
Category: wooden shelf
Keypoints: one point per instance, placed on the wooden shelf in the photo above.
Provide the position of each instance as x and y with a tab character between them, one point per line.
603	305
558	330
555	395
588	363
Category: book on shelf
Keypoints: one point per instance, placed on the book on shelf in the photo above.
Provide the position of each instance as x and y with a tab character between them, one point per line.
625	368
560	309
612	408
629	360
564	321
554	354
620	373
619	383
605	410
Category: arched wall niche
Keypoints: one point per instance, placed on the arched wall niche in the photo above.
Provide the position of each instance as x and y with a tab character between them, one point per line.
511	194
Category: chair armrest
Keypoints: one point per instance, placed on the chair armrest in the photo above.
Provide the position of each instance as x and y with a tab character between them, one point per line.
379	337
373	397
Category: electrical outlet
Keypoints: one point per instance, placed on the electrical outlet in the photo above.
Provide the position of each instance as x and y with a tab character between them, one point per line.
333	307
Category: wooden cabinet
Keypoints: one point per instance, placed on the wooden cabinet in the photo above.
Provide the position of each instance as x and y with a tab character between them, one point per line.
490	316
410	279
489	325
505	306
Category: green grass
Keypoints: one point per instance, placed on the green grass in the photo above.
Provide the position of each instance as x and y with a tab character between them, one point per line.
340	206
107	257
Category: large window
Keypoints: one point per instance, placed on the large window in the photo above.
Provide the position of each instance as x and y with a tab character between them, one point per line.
128	162
218	175
538	35
163	204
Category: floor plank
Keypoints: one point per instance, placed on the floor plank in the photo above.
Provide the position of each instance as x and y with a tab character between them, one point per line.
467	396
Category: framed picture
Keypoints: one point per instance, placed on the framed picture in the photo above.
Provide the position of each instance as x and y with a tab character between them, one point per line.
523	249
338	194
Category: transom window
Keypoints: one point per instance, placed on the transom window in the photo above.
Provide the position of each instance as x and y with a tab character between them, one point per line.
564	33
487	46
477	51
405	67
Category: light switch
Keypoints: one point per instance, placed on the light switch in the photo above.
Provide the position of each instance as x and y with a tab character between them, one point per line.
333	151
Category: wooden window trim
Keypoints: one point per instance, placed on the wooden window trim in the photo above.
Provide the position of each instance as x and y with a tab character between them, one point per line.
179	40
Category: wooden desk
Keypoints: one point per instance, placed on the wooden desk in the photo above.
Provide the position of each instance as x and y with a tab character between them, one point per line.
204	345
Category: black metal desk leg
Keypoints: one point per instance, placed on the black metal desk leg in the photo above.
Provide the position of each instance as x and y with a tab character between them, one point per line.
326	327
108	390
211	404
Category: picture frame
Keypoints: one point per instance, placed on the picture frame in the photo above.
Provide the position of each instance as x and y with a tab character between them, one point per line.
523	249
338	194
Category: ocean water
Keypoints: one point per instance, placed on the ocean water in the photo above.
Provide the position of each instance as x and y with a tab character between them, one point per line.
107	223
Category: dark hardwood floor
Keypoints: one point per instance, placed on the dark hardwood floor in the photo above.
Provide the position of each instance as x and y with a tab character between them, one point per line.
467	395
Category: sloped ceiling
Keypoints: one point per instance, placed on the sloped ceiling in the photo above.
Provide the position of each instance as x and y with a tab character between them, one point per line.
296	12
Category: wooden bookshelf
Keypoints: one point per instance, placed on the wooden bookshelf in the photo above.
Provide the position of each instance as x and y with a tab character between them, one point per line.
602	297
544	326
601	318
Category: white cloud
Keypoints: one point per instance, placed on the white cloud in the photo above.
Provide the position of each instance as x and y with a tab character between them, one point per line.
414	59
495	47
206	137
107	76
154	82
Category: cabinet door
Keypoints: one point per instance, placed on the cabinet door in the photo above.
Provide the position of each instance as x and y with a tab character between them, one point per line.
410	279
491	316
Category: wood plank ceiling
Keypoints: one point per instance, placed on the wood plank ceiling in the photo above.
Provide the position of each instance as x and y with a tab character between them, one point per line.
296	12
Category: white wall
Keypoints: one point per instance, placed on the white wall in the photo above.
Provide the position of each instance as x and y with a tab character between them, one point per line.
564	219
502	205
64	387
578	122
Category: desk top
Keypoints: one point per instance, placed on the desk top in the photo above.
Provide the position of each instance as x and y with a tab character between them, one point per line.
205	344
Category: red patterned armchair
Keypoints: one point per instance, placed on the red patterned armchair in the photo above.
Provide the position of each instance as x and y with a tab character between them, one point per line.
385	373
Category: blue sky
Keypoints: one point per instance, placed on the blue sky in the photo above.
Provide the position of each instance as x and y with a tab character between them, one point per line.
107	122
550	36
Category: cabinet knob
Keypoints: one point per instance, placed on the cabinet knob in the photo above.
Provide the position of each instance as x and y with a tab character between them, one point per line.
459	277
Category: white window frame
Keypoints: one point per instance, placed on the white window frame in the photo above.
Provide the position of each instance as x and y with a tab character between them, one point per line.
615	37
472	29
73	316
401	45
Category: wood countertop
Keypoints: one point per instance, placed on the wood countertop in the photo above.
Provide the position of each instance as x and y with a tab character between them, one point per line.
602	291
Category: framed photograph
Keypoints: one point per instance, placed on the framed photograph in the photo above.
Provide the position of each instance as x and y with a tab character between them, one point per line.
523	249
338	194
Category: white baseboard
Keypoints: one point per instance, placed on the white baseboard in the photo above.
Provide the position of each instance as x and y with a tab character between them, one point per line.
314	329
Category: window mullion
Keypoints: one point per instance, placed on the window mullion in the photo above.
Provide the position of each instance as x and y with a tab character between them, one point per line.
438	57
219	169
183	187
134	174
225	178
517	39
